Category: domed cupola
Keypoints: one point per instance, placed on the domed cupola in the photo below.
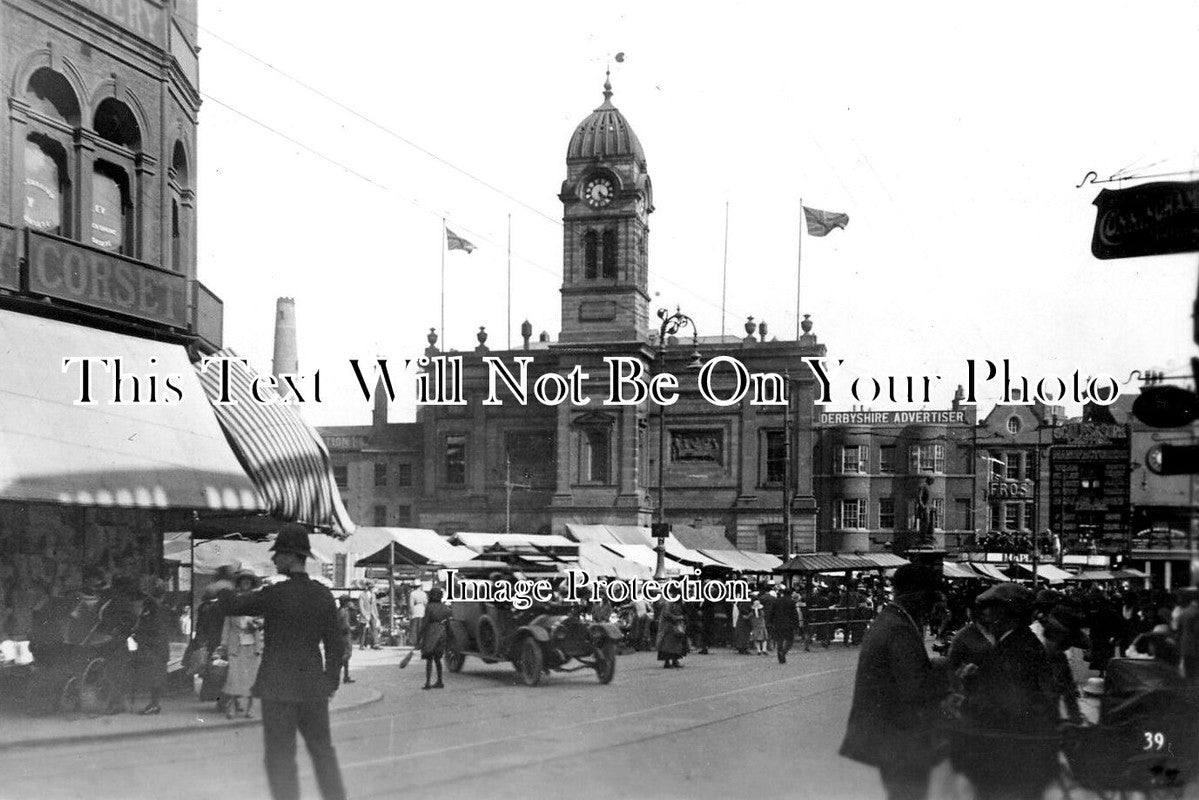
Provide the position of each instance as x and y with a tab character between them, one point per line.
605	134
606	199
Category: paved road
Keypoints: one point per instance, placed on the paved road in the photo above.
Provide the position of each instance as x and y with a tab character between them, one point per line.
724	726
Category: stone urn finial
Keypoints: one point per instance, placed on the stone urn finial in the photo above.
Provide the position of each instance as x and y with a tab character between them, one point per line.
750	326
432	337
806	325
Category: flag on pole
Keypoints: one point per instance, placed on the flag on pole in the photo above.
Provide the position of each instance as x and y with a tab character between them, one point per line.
456	242
820	223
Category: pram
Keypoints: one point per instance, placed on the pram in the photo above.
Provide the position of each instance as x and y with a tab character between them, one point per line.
75	673
1147	738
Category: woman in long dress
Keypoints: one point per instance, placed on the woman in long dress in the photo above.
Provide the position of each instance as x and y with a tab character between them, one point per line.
672	634
242	639
758	632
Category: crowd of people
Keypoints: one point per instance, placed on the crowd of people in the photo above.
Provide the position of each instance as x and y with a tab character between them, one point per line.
102	647
996	703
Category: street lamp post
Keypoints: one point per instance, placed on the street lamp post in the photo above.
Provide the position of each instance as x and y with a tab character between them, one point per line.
671	325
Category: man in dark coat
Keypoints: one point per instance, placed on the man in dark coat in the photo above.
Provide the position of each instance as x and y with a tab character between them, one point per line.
897	691
1010	709
782	619
294	684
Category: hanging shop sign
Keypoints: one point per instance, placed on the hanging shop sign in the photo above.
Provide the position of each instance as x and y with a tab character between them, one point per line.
1149	220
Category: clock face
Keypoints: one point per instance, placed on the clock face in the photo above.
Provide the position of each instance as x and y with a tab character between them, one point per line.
598	192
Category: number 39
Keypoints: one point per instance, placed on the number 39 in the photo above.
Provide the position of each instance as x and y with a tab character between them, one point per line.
1154	741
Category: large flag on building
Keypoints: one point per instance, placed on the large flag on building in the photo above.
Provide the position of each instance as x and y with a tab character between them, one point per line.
820	223
456	242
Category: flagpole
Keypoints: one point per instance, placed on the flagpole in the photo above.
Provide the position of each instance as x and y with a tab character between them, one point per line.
798	268
724	278
509	280
443	337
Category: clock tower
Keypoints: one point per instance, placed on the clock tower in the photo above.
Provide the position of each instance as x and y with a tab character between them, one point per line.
606	198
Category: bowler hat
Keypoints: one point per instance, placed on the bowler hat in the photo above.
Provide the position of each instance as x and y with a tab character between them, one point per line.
292	539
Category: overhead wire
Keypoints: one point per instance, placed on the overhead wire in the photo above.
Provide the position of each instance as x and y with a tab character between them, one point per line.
458	225
556	272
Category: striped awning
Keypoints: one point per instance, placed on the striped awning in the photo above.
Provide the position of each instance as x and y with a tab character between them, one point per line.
283	455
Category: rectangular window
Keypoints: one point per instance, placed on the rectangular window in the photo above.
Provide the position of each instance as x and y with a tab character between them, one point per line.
404	475
380	516
455	460
1011	516
1030	519
994	523
855	458
380	474
1015	464
998	465
774	540
853	513
886	512
403	515
927	457
776	457
598	455
886	458
965	514
939	513
341	476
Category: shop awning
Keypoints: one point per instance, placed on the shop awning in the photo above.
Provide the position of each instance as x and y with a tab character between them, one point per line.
166	454
1094	575
742	561
419	546
210	554
610	534
990	571
283	455
886	560
597	560
826	562
1049	572
685	555
954	571
646	557
478	542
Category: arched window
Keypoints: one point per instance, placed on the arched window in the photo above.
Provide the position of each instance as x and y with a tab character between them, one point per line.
180	183
49	94
112	220
52	119
590	255
610	252
112	209
47	191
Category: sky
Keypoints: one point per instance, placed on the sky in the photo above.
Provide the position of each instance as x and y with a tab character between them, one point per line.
335	138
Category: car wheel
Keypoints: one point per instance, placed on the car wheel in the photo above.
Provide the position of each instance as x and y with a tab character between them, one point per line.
454	661
531	661
487	637
605	665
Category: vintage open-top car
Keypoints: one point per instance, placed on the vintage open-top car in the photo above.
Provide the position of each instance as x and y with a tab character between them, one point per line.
547	636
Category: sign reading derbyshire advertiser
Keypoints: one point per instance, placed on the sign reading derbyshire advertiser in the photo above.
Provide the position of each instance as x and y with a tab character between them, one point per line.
88	276
892	417
1153	219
